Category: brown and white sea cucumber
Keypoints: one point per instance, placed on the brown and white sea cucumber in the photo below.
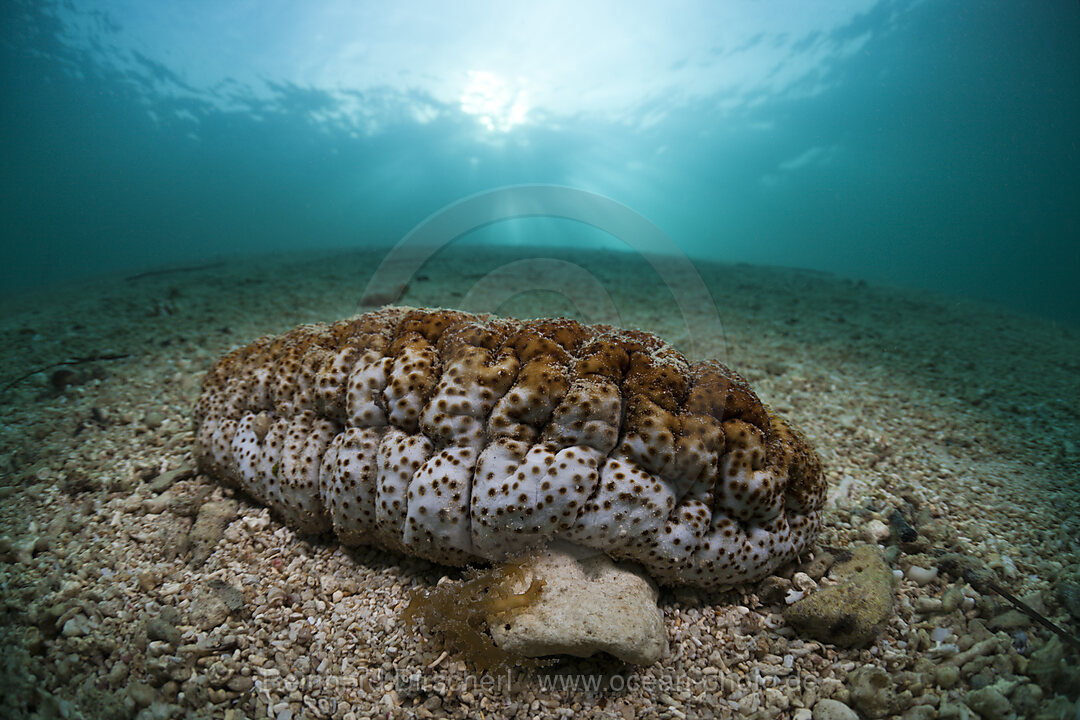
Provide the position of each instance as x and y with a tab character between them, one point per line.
462	438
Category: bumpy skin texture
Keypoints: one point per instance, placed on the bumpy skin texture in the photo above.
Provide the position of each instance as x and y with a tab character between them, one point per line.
459	438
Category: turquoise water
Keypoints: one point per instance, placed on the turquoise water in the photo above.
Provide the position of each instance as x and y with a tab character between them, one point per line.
926	144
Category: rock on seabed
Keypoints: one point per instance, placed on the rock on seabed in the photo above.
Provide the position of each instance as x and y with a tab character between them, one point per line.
589	604
851	613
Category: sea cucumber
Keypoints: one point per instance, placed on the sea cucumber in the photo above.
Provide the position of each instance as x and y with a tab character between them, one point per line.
462	438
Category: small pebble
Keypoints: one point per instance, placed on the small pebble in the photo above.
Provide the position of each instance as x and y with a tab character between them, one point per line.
989	703
209	528
153	419
23	550
141	693
952	598
928	605
165	480
920	712
943	650
946	676
155	505
148	580
1026	699
117	673
207	611
920	575
218	674
828	709
874	692
874	531
1009	620
816	568
940	634
77	626
159	629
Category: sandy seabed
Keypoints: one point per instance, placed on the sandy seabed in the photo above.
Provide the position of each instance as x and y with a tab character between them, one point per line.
964	417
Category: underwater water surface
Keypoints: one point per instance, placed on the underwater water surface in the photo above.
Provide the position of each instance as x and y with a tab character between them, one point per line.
922	144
